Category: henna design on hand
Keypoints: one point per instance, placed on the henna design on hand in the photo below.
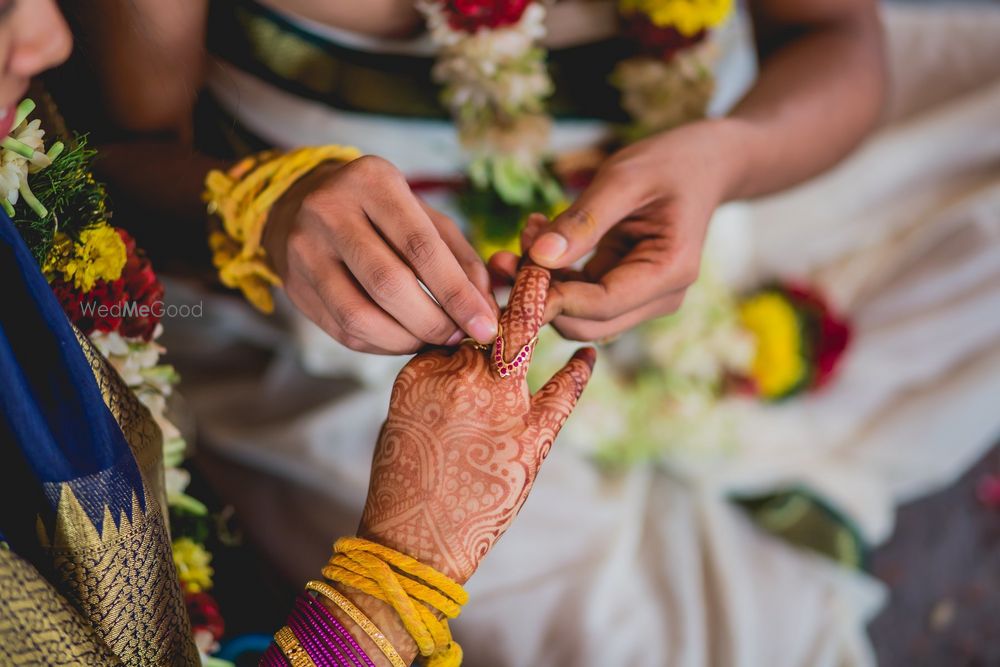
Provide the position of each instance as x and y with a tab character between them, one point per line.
462	445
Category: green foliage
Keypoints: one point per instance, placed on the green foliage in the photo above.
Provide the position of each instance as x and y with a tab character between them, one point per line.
73	198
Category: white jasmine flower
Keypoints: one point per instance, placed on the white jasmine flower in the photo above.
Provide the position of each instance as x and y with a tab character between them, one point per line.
14	167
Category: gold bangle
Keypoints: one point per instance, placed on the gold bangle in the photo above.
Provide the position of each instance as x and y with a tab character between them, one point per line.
290	646
358	616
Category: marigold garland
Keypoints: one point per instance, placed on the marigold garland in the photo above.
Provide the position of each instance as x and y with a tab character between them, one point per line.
688	17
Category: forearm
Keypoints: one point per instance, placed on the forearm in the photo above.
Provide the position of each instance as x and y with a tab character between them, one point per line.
815	99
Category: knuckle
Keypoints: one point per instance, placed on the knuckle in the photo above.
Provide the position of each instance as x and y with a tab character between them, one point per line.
603	310
316	204
419	248
478	274
577	221
456	299
674	304
353	343
369	170
574	331
687	273
439	333
367	165
386	282
353	320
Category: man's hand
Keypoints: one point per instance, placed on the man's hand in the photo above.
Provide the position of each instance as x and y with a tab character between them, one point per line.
644	217
353	244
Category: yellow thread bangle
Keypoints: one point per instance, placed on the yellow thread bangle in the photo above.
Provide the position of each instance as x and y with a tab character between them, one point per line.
290	646
415	592
363	622
242	198
407	564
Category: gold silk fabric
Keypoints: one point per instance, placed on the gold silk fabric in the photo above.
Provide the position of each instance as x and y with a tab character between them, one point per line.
106	597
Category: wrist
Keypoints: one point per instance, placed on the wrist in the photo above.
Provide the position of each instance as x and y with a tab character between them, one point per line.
735	153
434	558
283	213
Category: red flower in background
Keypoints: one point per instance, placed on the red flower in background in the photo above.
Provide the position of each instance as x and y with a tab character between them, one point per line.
109	294
657	42
116	305
142	289
472	15
204	613
100	309
70	300
830	335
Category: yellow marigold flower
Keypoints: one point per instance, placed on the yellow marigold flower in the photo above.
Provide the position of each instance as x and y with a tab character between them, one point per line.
98	255
688	17
60	253
192	562
778	365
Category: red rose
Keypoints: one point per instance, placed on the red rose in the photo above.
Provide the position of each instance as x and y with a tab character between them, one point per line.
471	15
655	41
143	290
831	334
102	307
69	298
204	613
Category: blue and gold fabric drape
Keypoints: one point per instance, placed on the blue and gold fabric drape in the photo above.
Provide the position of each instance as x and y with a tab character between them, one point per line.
86	572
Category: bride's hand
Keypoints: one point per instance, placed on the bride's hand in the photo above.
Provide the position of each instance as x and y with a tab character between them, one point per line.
352	244
461	446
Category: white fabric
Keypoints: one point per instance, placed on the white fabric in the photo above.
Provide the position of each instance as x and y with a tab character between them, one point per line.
653	567
420	148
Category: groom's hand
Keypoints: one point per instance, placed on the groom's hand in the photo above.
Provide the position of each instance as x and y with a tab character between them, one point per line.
644	219
353	244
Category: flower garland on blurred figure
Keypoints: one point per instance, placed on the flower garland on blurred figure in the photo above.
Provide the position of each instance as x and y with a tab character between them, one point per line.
495	83
671	389
109	291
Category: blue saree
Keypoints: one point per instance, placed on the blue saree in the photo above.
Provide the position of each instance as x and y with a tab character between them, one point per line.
86	572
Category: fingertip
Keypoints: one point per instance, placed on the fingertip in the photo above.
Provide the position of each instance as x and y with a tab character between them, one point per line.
483	328
587	355
504	262
549	249
535	223
553	303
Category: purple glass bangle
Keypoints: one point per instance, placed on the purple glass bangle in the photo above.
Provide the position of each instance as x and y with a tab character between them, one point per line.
273	657
331	621
326	633
316	642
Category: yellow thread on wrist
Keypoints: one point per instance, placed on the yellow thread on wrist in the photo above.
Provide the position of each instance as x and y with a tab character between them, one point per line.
290	646
242	198
414	590
377	636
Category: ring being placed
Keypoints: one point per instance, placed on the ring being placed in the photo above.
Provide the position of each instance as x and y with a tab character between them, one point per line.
482	347
504	367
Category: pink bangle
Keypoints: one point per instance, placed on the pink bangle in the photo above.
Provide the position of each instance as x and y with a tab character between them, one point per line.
316	641
273	657
331	634
326	616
